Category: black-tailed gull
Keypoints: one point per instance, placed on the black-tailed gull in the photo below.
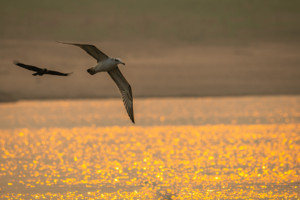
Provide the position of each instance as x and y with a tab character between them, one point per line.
110	65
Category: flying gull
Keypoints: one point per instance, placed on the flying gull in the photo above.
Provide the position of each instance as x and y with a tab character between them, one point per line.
40	71
110	65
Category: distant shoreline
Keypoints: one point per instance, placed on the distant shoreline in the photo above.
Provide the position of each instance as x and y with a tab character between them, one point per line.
155	72
153	97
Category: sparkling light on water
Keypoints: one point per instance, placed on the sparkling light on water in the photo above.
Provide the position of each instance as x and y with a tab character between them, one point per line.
178	162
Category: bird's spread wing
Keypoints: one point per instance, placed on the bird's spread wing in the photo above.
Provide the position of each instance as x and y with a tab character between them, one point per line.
125	90
29	67
58	73
91	50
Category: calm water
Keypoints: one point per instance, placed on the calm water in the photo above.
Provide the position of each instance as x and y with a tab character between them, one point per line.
201	148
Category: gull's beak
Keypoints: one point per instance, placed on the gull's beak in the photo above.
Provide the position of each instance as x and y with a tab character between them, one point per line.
123	63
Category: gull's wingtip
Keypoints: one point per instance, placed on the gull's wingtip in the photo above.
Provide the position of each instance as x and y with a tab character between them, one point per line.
61	42
15	61
64	43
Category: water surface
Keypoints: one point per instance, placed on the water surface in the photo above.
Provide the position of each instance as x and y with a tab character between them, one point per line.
201	148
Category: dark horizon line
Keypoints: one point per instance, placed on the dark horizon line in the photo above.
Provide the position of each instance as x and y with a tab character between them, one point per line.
12	100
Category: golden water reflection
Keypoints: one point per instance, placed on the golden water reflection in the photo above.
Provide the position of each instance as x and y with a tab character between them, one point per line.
159	162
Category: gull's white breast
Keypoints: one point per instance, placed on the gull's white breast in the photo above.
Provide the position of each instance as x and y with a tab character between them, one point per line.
105	65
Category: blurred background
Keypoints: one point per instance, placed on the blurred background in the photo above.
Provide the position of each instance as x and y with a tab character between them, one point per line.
171	48
216	87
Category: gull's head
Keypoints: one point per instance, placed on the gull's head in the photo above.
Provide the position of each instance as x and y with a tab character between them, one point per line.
118	61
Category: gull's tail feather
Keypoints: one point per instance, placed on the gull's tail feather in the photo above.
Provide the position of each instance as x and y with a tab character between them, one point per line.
91	71
35	74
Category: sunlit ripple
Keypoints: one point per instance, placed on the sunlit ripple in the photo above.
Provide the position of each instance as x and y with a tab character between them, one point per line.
178	162
151	112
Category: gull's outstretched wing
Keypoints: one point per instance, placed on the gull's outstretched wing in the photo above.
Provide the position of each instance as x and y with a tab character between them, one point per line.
91	50
58	73
124	89
29	67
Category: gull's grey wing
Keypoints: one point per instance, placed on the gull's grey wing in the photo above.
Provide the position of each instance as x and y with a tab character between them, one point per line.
58	73
91	50
124	89
29	67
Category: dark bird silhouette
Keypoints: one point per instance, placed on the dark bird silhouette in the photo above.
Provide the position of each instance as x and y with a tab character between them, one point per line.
40	71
